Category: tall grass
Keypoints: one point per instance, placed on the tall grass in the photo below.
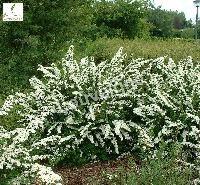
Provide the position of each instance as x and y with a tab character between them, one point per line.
177	49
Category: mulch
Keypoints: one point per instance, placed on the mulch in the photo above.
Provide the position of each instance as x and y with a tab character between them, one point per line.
80	175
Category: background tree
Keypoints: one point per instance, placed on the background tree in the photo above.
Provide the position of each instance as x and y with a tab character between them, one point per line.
167	23
179	20
47	28
120	18
161	21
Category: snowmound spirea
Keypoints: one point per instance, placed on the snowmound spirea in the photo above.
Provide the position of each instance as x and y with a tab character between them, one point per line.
111	105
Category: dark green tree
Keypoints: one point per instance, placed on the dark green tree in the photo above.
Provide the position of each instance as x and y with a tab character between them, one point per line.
161	21
120	18
179	20
167	23
49	26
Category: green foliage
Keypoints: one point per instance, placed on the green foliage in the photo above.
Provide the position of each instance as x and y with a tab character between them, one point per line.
83	155
13	174
47	27
164	168
187	33
10	122
120	18
198	29
162	23
167	23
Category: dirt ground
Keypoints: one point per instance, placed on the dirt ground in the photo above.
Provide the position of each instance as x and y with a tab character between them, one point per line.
83	175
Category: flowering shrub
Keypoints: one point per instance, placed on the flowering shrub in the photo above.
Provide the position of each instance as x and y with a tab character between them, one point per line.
115	106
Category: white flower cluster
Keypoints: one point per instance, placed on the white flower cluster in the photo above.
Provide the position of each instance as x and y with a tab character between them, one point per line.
45	174
14	155
134	105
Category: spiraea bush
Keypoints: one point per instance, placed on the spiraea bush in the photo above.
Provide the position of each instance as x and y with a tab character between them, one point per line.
117	107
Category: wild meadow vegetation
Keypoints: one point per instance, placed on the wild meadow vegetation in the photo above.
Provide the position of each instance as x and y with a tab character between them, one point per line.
94	81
